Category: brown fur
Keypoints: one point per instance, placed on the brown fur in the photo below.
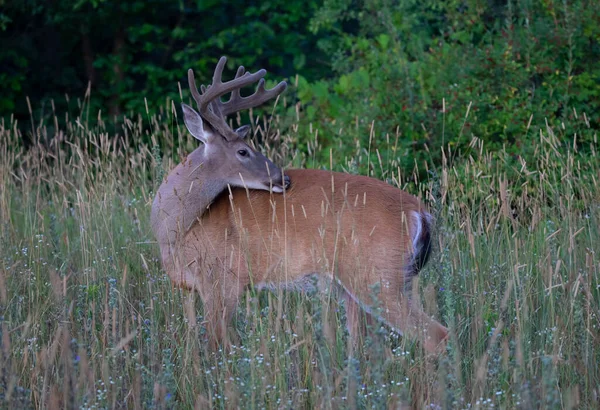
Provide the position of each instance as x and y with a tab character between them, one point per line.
354	231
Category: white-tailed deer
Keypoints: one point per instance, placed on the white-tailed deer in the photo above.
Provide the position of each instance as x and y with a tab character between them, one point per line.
354	231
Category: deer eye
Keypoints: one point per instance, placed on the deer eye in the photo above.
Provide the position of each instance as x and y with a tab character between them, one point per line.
243	152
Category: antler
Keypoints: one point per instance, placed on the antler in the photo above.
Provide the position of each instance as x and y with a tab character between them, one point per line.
214	111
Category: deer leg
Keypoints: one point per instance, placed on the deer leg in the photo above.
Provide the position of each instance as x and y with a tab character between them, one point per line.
432	333
406	316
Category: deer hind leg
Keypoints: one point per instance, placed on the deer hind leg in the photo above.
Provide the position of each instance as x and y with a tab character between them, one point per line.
406	317
398	311
431	333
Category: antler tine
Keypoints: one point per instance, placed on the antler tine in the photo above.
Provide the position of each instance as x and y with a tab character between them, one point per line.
218	75
261	95
218	87
193	88
235	94
216	105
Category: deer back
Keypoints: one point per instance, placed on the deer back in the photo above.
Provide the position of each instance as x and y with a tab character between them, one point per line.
355	230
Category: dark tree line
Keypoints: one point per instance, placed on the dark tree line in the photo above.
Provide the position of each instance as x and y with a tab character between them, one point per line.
437	72
131	50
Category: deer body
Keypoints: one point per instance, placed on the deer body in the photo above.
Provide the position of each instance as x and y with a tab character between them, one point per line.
357	232
365	237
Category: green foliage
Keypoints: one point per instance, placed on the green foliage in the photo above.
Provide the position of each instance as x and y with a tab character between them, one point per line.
139	50
426	72
443	72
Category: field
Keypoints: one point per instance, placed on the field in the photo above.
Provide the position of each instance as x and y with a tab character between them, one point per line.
88	318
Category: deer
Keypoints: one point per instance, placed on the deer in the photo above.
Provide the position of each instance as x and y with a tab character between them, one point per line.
227	218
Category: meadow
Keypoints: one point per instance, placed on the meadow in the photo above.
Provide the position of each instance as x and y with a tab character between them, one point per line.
88	318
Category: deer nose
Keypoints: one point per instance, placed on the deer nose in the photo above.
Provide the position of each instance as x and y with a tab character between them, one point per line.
286	182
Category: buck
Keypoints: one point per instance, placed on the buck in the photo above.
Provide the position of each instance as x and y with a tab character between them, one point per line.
227	218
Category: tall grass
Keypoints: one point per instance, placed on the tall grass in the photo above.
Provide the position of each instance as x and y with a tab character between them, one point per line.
90	320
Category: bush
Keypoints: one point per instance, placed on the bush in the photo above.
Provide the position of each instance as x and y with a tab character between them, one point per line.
444	72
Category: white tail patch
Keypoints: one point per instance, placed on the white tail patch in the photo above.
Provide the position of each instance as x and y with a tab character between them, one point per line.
422	223
416	236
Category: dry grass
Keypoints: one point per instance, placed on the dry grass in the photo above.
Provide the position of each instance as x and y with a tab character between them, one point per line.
89	319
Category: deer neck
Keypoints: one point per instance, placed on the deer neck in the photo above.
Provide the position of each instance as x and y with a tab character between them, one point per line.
183	197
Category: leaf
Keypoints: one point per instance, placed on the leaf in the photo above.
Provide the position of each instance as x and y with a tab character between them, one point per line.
383	40
321	91
299	61
343	84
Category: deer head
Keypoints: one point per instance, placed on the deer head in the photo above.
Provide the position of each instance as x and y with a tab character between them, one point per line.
226	153
223	159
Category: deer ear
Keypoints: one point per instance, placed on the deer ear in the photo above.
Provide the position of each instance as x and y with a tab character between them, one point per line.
194	124
242	132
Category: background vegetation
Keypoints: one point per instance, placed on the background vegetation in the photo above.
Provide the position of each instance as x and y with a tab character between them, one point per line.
486	109
496	69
